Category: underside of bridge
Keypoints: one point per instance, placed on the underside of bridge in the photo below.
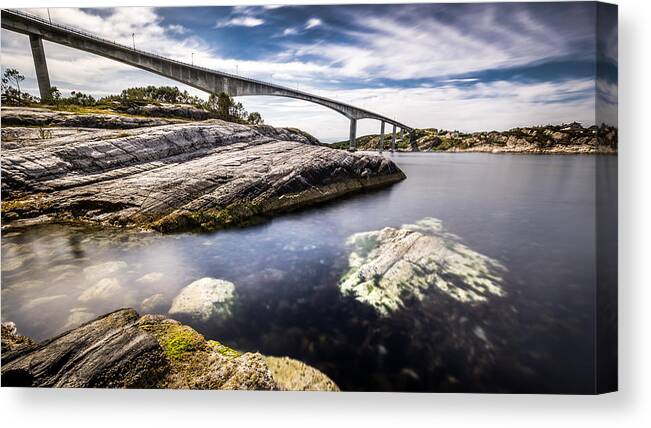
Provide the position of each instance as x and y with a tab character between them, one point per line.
210	81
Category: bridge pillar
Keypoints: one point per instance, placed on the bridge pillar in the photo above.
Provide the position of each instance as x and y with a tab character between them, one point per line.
381	136
42	76
353	135
393	139
400	135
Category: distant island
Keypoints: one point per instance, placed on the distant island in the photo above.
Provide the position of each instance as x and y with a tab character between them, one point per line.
564	138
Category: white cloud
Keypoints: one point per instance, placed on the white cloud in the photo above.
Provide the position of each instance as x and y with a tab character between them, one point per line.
414	51
290	31
466	80
242	21
430	47
491	106
177	29
312	22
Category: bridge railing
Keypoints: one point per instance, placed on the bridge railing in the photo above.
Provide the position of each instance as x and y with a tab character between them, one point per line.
84	33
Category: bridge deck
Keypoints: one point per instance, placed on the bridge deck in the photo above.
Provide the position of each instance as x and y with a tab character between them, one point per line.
212	81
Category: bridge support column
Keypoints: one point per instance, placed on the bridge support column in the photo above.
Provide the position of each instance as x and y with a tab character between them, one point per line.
400	135
353	135
42	76
381	136
393	138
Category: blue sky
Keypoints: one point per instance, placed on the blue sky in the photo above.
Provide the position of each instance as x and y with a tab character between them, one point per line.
453	66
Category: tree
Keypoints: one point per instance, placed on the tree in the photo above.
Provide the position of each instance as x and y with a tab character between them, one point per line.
224	105
79	98
11	93
53	96
12	77
255	118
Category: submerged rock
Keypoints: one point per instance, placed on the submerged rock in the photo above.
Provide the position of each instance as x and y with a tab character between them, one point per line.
78	316
104	290
102	270
205	175
150	278
34	303
153	302
124	350
390	266
204	299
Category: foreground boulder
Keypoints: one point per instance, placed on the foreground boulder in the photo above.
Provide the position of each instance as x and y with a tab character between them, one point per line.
126	357
204	175
124	350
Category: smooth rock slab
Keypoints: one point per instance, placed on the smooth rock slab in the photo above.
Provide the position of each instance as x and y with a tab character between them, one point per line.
204	299
205	175
111	352
390	266
122	349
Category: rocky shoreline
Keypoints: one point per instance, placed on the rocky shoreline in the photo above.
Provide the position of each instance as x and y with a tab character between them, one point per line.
170	175
124	350
570	138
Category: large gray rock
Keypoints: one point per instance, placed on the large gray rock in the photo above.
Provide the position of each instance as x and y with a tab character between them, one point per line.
391	266
110	352
205	175
124	350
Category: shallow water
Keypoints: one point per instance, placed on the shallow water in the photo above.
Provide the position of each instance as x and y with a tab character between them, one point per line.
532	214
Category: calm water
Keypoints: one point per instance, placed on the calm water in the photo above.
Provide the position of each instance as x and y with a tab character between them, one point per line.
533	214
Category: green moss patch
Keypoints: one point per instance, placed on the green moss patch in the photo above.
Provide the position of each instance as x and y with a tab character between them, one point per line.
223	349
208	220
176	340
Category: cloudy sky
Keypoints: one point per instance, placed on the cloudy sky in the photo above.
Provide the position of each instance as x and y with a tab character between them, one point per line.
454	66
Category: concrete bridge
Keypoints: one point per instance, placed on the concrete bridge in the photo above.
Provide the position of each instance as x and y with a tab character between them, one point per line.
212	81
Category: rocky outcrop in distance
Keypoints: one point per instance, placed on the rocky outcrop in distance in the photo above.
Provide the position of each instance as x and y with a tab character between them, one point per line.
41	117
178	111
124	350
190	175
567	138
